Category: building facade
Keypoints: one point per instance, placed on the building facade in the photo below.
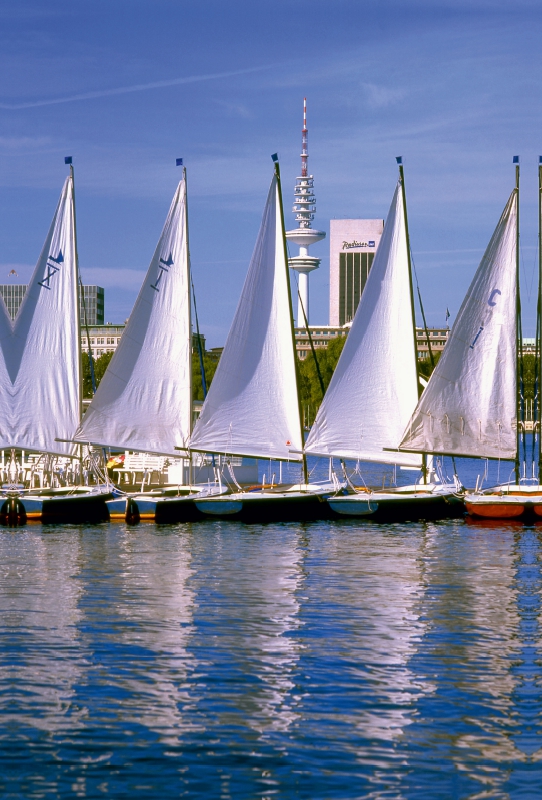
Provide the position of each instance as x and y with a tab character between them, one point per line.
94	305
13	294
106	338
437	339
321	336
102	338
352	247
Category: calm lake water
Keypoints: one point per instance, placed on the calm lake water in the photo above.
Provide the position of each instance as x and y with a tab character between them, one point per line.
324	660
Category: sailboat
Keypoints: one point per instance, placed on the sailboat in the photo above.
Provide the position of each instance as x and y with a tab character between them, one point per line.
472	404
144	400
40	378
252	408
375	386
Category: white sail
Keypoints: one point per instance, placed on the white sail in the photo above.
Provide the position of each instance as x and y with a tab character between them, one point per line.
252	406
144	400
469	405
6	335
43	355
374	387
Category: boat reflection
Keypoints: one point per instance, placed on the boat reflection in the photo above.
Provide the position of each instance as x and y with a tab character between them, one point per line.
253	624
475	604
155	606
42	658
372	610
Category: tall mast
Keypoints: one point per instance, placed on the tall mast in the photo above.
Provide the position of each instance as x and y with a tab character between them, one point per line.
519	349
299	409
79	288
188	286
538	367
399	160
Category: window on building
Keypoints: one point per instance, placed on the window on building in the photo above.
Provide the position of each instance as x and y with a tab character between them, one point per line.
354	269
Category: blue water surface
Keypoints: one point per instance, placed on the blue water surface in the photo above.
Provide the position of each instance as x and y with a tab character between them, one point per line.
324	660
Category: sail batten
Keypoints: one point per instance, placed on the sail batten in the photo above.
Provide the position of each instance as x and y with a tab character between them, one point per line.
374	387
252	407
144	400
469	405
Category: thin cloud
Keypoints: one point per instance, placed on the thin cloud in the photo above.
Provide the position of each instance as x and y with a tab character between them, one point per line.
382	96
113	278
140	87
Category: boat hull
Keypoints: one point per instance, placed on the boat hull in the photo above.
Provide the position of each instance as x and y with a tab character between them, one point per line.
296	506
506	502
159	508
496	510
398	506
60	508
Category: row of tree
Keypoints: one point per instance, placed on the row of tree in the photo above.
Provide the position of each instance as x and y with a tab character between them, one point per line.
309	388
102	362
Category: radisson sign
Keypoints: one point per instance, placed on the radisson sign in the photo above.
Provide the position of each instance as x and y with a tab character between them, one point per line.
354	244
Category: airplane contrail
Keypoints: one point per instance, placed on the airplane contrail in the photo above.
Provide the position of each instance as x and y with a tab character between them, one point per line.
141	87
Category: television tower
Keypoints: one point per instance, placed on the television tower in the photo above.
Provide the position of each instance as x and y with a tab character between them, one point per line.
304	210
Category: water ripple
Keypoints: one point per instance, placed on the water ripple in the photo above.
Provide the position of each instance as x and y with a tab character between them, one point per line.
327	660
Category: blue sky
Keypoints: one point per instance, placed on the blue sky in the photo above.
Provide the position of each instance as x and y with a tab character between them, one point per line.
126	87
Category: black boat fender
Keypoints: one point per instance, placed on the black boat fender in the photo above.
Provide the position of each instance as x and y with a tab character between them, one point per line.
132	516
12	513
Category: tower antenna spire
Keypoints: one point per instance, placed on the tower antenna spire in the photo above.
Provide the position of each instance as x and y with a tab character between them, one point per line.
304	142
304	235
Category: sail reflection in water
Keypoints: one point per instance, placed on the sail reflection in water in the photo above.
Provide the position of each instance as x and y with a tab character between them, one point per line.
332	660
375	595
42	657
254	637
157	697
474	650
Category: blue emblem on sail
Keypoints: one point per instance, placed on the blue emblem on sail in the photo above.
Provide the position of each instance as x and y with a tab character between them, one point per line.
493	294
163	266
471	347
53	266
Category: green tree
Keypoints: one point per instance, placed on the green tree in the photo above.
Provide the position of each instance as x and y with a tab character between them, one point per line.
209	365
100	365
528	369
102	362
309	384
425	368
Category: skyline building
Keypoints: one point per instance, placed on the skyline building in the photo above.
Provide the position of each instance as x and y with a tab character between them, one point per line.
13	293
304	235
352	247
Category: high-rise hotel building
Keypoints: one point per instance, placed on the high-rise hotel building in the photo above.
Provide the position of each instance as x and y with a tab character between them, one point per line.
352	248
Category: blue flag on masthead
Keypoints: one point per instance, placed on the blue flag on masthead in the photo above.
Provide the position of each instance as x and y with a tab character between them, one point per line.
515	160
68	160
178	162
